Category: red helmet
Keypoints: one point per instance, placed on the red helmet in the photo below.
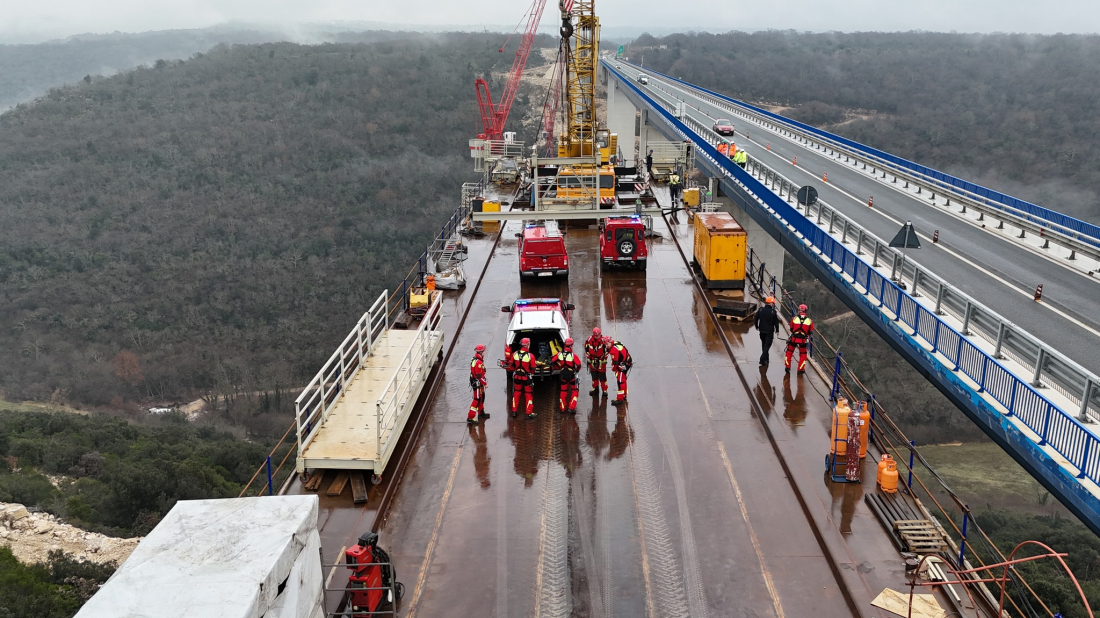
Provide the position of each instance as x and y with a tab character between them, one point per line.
608	340
525	342
569	342
596	331
479	348
802	308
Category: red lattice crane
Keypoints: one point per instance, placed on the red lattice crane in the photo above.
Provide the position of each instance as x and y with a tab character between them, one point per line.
494	115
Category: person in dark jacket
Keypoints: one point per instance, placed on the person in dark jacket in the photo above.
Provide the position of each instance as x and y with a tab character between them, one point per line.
649	163
767	322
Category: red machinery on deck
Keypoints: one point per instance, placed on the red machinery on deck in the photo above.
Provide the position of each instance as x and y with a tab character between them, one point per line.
372	583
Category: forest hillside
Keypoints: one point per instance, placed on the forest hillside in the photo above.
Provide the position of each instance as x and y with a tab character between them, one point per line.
218	224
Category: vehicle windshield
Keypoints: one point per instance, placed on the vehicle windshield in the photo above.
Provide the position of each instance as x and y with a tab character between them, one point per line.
722	121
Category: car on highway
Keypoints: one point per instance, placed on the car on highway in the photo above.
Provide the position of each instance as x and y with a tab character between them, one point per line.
545	321
618	66
542	251
723	127
622	243
643	79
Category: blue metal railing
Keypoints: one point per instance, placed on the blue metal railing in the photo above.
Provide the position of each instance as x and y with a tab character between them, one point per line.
1056	428
1089	232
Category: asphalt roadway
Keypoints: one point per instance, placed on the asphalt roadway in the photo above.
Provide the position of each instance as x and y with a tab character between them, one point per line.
704	496
995	271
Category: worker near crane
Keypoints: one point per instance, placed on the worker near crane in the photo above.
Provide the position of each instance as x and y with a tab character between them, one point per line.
674	187
595	356
649	162
766	321
523	370
620	364
802	327
741	158
477	383
568	366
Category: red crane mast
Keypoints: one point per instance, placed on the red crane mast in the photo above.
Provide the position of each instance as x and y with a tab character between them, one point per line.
494	115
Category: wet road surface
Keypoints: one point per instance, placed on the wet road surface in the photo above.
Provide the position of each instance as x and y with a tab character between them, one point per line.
677	504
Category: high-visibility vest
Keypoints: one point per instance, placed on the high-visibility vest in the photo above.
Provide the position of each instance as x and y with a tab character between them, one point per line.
801	327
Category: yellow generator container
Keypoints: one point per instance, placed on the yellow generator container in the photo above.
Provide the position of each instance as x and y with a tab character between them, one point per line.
721	249
691	197
490	206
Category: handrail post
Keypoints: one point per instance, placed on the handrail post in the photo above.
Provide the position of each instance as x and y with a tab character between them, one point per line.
912	445
270	484
834	392
1083	413
1089	439
962	543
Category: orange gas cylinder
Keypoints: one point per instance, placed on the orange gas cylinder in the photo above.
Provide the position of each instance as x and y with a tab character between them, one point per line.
883	462
839	429
889	481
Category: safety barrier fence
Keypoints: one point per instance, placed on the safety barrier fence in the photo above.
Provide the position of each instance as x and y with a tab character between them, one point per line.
272	476
916	476
402	388
950	349
1077	229
1048	366
321	395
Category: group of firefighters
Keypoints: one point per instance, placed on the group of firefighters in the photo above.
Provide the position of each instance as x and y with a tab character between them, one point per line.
599	351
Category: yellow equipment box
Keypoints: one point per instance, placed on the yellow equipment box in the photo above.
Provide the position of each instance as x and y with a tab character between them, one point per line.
490	227
721	248
691	196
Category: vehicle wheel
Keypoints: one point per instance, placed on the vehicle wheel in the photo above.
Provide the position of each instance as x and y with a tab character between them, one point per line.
626	247
304	477
375	479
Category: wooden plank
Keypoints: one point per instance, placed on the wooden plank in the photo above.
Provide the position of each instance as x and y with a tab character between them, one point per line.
314	482
358	487
338	484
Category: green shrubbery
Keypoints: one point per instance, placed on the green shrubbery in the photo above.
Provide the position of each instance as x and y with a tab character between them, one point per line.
118	477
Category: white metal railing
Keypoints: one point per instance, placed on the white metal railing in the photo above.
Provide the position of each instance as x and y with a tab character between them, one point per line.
322	393
411	371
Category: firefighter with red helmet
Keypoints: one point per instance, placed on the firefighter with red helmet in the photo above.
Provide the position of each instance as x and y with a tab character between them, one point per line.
523	371
595	356
478	381
802	327
568	365
620	364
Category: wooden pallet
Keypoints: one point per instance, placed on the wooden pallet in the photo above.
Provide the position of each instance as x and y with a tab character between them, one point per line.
920	535
734	318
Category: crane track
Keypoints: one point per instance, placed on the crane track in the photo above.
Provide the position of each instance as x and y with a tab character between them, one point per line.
553	590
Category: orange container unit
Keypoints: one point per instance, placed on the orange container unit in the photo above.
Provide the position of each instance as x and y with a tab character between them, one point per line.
882	464
839	433
889	480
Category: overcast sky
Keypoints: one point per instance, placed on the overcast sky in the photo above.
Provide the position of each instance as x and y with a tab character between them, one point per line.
36	20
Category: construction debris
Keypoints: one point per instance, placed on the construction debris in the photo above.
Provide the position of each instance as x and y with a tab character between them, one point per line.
32	536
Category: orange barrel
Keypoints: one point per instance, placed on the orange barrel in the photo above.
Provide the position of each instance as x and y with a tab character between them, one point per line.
883	462
840	427
864	428
889	482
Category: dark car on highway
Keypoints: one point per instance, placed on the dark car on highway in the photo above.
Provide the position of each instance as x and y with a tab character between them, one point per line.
723	127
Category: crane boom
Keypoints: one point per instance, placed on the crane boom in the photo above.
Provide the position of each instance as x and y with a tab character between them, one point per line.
493	116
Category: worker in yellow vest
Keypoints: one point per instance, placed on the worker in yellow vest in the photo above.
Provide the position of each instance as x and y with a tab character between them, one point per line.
801	327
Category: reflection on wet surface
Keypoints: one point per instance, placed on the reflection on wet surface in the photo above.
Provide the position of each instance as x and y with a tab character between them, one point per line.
675	505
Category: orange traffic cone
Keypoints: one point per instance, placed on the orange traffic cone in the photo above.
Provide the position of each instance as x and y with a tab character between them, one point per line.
825	178
795	162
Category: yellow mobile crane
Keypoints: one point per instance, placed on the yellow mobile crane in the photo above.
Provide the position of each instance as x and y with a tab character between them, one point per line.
581	137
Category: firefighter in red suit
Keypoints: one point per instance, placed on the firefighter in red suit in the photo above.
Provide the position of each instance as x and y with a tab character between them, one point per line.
523	371
568	365
620	364
595	356
477	382
801	327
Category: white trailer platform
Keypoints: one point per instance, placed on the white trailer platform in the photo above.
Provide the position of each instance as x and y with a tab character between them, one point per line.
351	414
236	558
